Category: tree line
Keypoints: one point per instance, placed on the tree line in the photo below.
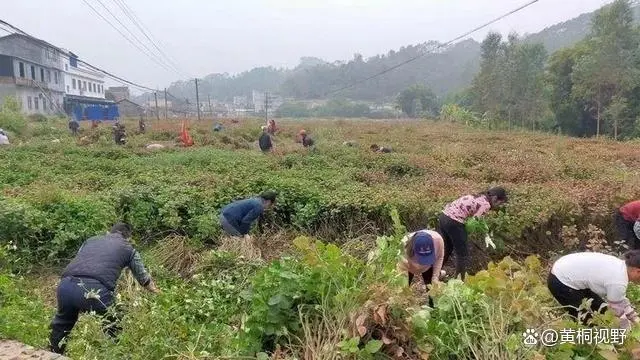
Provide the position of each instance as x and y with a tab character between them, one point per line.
589	89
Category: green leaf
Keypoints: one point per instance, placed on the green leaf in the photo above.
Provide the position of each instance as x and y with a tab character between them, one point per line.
373	346
275	300
262	356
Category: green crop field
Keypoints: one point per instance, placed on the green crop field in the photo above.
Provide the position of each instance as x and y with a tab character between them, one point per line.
326	285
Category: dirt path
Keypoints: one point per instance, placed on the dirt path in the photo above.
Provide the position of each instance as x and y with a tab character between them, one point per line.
13	350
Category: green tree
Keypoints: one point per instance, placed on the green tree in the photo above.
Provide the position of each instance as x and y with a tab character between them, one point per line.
569	113
293	109
418	100
609	69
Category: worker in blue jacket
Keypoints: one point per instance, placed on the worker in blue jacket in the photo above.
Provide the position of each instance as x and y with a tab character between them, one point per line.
236	218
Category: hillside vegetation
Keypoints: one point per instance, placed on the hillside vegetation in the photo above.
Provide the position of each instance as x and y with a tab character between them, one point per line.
339	298
448	71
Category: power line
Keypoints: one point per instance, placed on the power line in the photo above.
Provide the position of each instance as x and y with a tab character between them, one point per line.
438	47
156	56
61	51
144	30
125	36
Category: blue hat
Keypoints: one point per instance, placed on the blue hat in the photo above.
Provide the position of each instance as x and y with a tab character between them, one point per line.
424	253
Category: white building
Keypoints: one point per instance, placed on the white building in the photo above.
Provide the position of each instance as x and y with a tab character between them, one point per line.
80	80
259	101
84	97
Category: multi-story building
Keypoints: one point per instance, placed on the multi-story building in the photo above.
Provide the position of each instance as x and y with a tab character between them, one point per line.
85	92
80	80
31	71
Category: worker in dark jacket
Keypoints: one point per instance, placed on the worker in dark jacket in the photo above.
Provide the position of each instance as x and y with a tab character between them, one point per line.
89	281
236	218
306	140
119	134
265	141
74	126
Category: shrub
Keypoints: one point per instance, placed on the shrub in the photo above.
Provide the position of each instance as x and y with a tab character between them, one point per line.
11	118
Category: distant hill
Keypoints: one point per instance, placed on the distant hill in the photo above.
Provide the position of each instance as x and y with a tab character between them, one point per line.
445	71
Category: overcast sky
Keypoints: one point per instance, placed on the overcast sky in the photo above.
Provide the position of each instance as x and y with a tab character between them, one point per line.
214	36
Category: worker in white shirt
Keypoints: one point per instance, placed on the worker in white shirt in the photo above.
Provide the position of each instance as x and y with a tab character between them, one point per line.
4	138
600	277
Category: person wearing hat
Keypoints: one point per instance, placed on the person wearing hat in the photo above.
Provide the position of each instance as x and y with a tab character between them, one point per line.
424	255
265	141
301	135
237	218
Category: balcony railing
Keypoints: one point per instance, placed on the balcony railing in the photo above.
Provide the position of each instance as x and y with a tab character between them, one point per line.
31	83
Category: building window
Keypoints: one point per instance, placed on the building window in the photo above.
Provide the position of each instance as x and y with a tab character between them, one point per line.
33	72
73	82
66	67
49	76
41	74
68	90
55	76
29	103
84	85
21	66
44	104
90	87
36	104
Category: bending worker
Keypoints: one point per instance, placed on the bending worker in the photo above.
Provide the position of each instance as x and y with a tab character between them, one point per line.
423	255
95	270
626	218
237	218
600	277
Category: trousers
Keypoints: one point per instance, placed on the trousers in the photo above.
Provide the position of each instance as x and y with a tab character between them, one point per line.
72	301
228	228
571	299
426	277
625	231
454	235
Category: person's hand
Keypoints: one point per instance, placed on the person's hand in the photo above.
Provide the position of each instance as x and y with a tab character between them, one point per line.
152	287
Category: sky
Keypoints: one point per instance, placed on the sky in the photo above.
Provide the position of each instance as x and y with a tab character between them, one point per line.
216	36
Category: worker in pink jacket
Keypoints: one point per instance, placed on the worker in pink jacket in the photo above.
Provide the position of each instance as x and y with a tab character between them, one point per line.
451	223
424	255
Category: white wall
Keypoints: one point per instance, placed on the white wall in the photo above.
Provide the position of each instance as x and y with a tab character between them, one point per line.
34	102
82	82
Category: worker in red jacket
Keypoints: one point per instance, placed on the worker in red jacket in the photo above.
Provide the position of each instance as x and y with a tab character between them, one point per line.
626	217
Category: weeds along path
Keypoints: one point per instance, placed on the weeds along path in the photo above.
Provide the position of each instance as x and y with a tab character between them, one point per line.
54	195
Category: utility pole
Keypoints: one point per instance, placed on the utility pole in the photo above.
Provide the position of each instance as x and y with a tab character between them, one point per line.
197	99
155	94
210	108
266	108
165	103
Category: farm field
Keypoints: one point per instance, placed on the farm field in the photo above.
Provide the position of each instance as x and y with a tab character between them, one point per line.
340	297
